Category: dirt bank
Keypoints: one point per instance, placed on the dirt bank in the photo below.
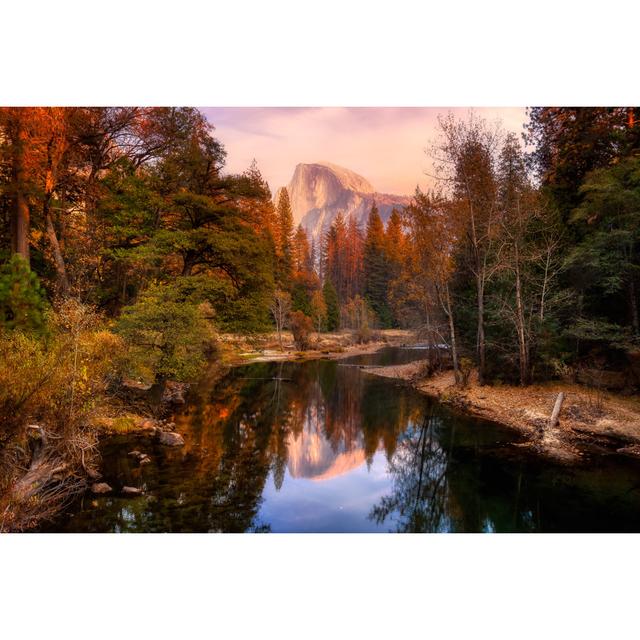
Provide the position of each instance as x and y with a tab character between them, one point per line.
335	346
590	420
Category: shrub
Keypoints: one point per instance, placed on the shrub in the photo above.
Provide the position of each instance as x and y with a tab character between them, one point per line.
301	327
167	337
466	367
22	300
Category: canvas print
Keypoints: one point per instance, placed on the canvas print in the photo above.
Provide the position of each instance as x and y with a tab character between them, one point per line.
319	319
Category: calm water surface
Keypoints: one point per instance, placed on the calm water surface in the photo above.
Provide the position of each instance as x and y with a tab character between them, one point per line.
324	446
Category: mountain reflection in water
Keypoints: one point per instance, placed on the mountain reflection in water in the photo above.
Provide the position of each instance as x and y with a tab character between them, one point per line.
324	446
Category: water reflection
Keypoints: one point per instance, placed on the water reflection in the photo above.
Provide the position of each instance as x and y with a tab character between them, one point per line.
323	446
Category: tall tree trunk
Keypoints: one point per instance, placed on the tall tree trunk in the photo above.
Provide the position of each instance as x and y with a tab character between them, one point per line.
480	340
58	259
452	334
20	213
523	348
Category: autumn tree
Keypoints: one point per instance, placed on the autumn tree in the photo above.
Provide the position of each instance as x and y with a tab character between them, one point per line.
318	310
301	252
280	307
432	240
465	158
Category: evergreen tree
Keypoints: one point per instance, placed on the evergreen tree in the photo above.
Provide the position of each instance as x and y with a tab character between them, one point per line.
333	308
301	251
21	297
284	243
376	274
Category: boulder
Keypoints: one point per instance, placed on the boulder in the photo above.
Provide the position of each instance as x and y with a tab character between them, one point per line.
131	491
170	439
101	487
134	389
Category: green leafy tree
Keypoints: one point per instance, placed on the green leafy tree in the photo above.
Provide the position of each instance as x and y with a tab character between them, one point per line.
605	264
168	335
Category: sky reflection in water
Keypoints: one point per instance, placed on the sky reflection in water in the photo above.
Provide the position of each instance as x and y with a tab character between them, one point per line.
325	447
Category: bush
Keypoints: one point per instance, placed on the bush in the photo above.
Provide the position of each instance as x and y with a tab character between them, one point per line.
466	367
363	335
22	300
168	337
50	387
55	379
302	328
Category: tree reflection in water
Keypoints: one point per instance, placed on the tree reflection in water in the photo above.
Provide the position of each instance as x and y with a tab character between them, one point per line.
419	469
312	446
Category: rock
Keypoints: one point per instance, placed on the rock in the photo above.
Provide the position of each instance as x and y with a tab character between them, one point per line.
318	191
174	392
171	439
146	424
134	389
101	487
131	491
142	458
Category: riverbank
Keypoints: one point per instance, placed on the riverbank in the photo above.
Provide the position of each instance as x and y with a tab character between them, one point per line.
591	421
236	349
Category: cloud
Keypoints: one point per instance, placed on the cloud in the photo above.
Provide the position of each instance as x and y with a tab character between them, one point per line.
385	145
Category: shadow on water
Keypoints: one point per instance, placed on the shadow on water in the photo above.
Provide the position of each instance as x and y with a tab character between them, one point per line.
324	446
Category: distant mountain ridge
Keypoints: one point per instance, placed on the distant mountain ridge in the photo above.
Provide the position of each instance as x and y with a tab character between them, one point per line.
318	191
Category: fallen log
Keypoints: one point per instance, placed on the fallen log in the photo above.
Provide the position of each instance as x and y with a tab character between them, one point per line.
555	414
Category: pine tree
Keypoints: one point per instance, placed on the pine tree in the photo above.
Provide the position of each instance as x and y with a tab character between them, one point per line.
285	238
376	275
301	252
333	308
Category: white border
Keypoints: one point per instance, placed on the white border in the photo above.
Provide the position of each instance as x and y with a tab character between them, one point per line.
400	53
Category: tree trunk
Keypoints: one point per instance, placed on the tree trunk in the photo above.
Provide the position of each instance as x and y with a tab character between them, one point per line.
553	420
480	342
58	259
452	332
523	348
20	213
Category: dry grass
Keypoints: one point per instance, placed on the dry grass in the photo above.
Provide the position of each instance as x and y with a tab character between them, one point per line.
48	392
585	411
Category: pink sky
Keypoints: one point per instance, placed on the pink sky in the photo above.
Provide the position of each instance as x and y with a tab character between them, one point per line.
386	145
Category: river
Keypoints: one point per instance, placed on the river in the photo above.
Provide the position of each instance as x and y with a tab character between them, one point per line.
324	446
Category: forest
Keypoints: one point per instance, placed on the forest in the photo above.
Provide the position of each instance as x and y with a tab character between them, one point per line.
127	251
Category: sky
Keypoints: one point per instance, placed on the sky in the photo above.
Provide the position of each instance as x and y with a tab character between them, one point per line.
385	145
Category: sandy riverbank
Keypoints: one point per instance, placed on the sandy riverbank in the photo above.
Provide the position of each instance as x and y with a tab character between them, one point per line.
589	419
